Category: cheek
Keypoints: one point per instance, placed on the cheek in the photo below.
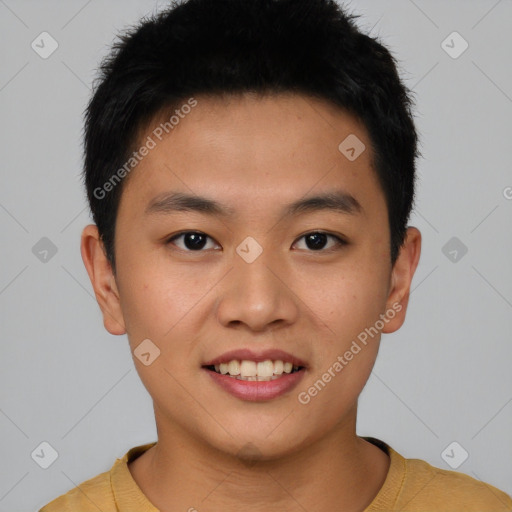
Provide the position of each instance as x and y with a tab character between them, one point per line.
346	299
153	300
347	355
143	307
165	306
155	308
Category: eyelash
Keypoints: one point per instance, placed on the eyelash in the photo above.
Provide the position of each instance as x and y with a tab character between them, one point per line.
340	242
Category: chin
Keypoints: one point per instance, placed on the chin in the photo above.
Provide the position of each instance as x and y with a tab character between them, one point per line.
255	445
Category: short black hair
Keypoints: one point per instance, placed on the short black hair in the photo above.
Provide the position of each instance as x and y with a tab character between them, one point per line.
228	47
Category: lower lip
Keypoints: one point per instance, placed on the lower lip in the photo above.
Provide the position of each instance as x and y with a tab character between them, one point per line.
257	391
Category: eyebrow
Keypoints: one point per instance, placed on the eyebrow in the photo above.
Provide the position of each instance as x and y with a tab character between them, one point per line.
337	200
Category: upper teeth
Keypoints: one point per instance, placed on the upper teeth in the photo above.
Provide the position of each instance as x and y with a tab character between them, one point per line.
247	368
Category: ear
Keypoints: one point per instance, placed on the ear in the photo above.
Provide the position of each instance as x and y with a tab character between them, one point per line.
401	277
102	279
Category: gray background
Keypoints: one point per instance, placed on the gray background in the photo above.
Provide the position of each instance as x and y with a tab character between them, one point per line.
444	377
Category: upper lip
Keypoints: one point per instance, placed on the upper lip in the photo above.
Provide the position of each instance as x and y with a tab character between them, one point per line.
257	356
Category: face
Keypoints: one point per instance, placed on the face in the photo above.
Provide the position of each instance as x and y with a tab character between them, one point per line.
226	263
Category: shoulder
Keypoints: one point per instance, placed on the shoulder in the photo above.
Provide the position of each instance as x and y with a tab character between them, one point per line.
449	491
90	496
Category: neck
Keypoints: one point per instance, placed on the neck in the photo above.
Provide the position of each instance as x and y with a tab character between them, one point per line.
340	471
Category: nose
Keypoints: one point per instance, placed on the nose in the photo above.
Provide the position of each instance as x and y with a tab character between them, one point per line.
257	295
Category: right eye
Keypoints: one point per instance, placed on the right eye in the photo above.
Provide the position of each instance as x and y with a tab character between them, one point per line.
193	241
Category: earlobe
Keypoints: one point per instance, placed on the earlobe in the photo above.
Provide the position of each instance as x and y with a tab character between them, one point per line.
102	279
401	278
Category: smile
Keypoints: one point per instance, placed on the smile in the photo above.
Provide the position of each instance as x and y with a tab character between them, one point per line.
248	370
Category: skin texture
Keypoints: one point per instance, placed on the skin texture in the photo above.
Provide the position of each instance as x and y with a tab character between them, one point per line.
254	155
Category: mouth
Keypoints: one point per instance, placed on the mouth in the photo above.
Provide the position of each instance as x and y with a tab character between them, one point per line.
252	376
249	370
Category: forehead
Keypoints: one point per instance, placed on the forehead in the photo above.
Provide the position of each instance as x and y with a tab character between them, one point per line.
270	149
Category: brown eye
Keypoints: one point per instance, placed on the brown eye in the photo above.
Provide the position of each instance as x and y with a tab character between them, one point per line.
192	240
317	240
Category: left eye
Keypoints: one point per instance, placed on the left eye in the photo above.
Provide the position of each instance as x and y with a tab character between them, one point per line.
315	241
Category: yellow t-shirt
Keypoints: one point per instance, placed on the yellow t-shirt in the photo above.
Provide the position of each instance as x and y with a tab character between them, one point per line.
411	485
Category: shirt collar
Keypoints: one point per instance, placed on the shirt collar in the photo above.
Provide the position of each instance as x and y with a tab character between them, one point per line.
127	494
130	498
388	494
